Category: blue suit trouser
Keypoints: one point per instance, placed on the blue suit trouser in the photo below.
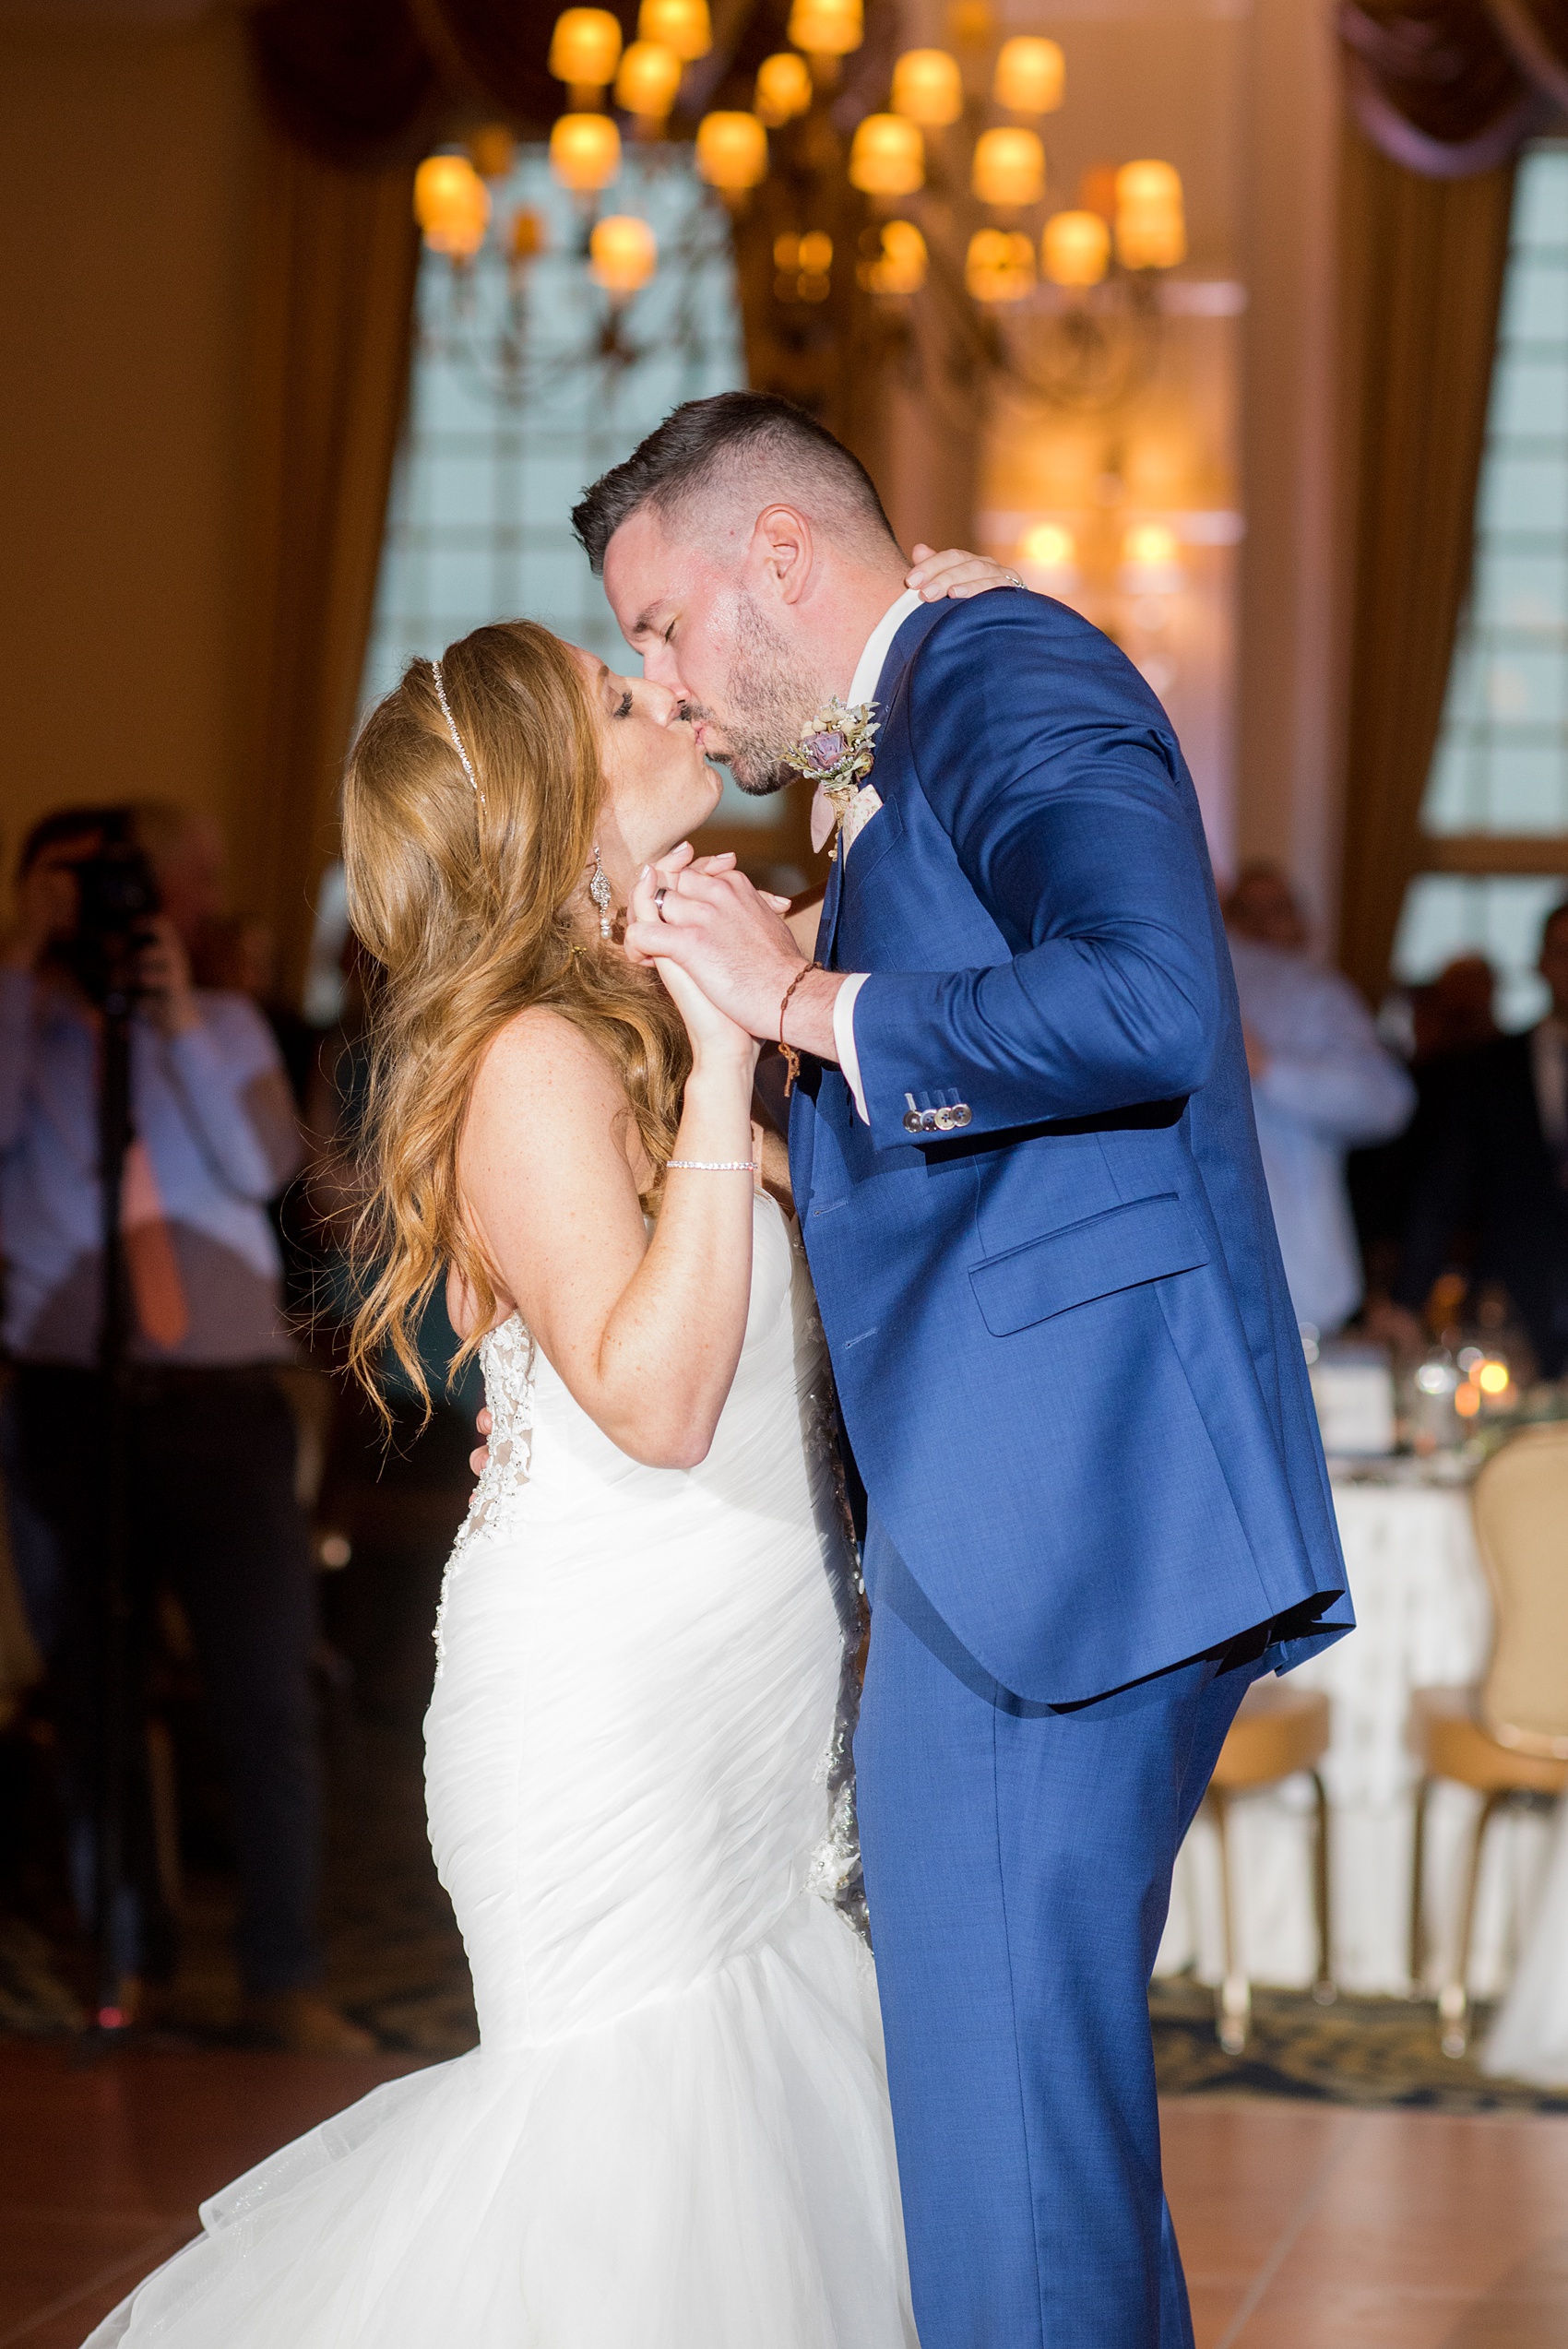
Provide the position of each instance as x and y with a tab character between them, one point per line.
1019	1860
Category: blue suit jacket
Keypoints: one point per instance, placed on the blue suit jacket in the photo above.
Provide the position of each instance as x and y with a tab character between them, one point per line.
1065	1352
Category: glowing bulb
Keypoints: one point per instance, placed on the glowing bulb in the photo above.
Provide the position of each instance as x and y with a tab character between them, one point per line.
1492	1377
648	79
451	205
826	28
1075	249
783	88
888	156
1151	545
623	253
1048	547
681	25
928	88
1151	230
1030	75
584	47
1467	1400
584	151
731	151
1009	168
1000	265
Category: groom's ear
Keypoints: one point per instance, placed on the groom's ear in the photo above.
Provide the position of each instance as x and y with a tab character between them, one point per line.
782	554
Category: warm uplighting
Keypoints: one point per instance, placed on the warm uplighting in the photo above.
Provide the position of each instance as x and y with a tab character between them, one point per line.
492	150
888	156
584	151
1151	232
999	265
584	48
681	25
901	266
928	88
826	28
1009	167
623	254
1030	75
783	88
451	205
1048	547
1075	249
649	76
731	151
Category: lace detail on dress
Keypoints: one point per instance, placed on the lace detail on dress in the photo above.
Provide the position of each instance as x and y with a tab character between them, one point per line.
507	1358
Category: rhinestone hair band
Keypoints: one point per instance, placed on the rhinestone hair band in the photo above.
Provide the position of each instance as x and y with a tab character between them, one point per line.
452	730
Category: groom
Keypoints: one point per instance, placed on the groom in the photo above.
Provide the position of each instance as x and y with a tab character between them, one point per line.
1024	1160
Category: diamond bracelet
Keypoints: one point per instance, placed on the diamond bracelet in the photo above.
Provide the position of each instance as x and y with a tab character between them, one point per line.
715	1166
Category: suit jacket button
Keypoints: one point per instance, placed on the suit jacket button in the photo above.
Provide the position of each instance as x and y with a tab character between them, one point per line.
911	1122
960	1113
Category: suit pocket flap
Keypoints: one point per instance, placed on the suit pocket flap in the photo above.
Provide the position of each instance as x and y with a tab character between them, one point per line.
1148	1240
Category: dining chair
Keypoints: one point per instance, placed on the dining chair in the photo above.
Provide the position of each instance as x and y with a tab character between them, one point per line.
1507	1739
1279	1730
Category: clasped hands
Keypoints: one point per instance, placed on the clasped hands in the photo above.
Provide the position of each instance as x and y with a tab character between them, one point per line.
701	915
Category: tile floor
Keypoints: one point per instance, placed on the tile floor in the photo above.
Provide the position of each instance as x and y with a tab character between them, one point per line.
1303	2226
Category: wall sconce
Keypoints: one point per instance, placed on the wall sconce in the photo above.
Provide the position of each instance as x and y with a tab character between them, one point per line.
681	25
622	255
783	88
1075	249
451	206
584	151
1009	168
731	151
928	88
888	156
1031	75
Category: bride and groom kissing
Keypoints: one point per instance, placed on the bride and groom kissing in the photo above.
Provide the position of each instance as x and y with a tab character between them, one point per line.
1068	1396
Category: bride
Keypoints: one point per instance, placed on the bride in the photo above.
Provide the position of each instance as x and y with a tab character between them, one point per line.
676	2132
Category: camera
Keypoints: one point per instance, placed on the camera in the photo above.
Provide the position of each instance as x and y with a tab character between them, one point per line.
117	897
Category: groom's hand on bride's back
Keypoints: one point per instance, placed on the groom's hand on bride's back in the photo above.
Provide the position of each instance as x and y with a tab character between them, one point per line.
479	1459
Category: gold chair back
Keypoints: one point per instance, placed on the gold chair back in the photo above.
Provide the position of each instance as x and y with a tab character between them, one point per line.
1521	1516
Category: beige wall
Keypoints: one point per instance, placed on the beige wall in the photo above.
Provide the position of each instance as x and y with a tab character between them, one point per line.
126	156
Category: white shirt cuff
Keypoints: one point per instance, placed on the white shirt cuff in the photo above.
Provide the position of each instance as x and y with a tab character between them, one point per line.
844	1038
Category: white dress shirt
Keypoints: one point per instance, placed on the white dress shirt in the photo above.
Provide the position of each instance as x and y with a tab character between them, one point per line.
1328	1086
863	688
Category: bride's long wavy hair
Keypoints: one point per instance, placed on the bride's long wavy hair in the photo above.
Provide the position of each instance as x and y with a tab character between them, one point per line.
473	901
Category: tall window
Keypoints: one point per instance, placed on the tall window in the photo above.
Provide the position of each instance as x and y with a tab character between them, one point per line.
1495	813
478	527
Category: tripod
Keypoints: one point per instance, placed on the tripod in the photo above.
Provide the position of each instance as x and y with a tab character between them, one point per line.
114	1136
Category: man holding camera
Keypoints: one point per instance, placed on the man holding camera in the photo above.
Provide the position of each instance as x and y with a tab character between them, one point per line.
211	1506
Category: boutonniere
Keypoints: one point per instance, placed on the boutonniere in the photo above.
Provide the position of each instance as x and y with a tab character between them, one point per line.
834	750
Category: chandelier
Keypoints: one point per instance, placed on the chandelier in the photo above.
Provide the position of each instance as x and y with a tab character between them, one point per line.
939	195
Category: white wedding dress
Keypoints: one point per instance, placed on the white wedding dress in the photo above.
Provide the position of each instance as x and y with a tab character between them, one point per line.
676	2132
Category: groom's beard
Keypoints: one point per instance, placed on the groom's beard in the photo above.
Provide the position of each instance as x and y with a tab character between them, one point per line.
769	697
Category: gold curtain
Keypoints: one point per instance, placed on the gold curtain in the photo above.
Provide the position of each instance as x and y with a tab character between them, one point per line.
330	367
1423	262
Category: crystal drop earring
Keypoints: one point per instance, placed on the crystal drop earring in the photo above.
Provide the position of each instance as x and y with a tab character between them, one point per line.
598	890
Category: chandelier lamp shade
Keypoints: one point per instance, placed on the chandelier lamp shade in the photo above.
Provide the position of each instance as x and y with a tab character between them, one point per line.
622	255
826	28
783	88
1075	249
584	48
683	25
1031	75
451	206
999	265
584	152
1009	168
1151	230
888	156
731	151
928	88
903	261
648	77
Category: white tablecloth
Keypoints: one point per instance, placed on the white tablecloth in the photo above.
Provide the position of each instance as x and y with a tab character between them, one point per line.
1425	1620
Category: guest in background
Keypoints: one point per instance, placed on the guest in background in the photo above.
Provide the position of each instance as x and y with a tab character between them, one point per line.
1494	1176
237	954
211	1507
1321	1083
1449	1015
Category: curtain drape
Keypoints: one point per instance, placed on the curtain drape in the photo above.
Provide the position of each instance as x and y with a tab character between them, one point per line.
1423	263
328	375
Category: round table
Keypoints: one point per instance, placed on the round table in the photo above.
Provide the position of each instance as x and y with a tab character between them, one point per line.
1424	1618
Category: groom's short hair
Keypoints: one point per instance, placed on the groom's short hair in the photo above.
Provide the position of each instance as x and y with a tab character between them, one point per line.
708	447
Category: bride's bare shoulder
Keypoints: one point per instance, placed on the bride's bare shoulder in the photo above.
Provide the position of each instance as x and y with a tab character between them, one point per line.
540	1050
